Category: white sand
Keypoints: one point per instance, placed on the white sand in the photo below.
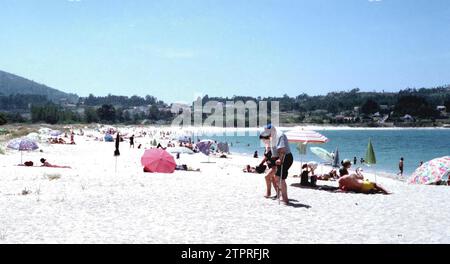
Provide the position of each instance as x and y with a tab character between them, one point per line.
91	203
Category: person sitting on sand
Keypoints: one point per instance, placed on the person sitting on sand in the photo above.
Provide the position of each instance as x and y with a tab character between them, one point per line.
45	163
312	167
346	164
354	183
304	175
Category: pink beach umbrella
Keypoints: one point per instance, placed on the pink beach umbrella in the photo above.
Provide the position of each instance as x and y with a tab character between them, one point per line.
432	172
158	161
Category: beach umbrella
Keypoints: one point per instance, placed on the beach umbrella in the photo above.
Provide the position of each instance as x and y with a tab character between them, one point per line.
223	147
303	137
22	144
204	147
158	161
432	172
34	136
370	157
322	153
336	160
306	136
184	139
3	131
181	150
109	138
55	133
370	154
44	130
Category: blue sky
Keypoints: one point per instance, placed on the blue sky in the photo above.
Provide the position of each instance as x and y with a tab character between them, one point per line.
178	49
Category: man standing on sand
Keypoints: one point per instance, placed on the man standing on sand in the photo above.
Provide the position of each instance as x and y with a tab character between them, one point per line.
400	167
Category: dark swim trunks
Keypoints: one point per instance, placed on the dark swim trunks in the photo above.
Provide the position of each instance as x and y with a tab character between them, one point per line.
288	160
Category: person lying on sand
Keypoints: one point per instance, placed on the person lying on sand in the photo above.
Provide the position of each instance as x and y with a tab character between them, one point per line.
184	167
45	163
332	175
354	183
249	169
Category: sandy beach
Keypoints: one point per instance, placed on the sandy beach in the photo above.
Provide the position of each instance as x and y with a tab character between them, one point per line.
96	203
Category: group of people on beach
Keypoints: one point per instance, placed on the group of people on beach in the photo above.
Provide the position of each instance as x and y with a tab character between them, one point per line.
62	141
278	159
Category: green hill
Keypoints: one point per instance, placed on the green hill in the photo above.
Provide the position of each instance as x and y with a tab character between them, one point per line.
12	84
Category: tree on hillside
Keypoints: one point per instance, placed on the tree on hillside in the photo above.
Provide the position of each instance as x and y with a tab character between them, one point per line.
370	107
107	113
90	115
415	106
447	104
154	113
3	119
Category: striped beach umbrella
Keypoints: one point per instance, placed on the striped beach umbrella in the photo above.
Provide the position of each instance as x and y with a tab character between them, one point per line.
303	137
432	172
306	136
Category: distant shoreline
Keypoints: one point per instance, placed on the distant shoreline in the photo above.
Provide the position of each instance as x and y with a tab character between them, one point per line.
209	128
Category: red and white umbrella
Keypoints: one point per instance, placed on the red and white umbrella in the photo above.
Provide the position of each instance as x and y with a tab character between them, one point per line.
306	137
158	161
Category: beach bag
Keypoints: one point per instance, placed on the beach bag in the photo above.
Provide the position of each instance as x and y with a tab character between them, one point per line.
29	163
261	169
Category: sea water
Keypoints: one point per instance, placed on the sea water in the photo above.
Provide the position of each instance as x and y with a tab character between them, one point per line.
414	145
